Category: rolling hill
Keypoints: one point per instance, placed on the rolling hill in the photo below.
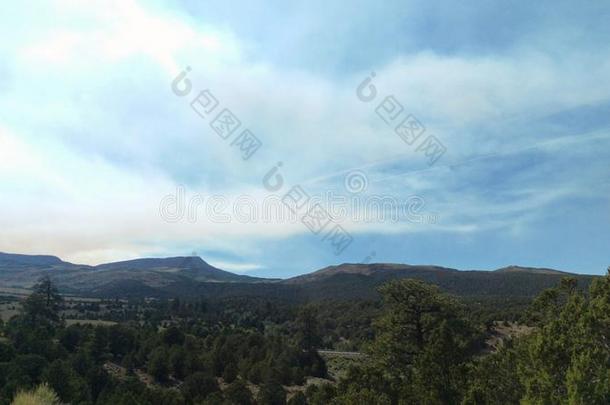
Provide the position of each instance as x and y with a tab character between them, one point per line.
150	274
193	277
361	280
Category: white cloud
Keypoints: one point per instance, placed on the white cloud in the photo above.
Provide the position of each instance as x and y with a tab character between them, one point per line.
236	267
97	139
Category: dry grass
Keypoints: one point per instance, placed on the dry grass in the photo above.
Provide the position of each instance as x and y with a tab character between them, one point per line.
42	395
502	331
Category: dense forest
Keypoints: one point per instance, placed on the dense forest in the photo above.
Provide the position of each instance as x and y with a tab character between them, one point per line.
417	345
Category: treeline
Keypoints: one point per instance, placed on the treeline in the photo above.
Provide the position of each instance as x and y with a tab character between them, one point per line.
105	364
422	346
427	351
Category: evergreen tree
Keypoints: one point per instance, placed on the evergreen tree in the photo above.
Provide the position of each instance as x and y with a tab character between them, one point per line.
158	364
237	393
308	335
41	308
271	393
423	342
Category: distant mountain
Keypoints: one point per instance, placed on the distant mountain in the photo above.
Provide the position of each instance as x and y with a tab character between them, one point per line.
24	270
10	259
533	270
377	270
193	267
361	280
193	277
138	275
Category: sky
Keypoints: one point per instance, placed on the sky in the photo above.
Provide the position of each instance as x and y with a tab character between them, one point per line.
111	146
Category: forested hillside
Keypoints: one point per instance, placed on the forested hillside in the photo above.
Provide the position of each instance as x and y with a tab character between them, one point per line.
418	345
193	277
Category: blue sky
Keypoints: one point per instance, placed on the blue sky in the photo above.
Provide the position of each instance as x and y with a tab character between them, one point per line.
93	140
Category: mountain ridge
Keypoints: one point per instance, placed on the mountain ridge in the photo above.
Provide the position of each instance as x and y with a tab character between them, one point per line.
369	269
16	258
191	276
18	270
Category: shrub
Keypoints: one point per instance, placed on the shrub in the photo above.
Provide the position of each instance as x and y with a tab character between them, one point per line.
42	395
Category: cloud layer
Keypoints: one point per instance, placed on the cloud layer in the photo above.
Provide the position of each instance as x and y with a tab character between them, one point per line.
92	137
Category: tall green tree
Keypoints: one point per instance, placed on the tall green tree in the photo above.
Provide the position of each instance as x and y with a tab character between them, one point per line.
158	364
494	378
423	342
271	393
308	332
567	359
237	393
42	306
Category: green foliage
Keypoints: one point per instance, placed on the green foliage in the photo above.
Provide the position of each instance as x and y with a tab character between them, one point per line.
423	342
41	307
308	335
70	338
494	378
173	336
158	364
568	358
271	393
237	393
178	362
423	347
69	386
198	386
425	352
80	362
361	396
229	374
320	394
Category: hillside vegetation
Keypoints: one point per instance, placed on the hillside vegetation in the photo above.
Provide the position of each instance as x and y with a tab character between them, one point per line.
418	345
